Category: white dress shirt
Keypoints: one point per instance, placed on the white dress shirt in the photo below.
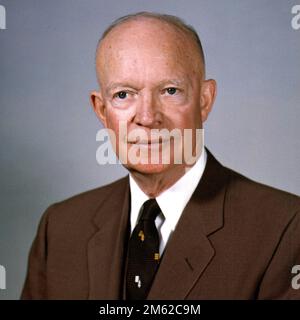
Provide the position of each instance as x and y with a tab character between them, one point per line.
171	202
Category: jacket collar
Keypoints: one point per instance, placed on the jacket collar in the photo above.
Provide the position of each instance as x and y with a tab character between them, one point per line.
107	247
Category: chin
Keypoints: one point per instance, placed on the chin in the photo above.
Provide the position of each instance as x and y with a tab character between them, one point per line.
148	168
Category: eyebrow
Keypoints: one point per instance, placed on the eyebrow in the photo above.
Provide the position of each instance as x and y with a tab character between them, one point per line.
176	82
117	85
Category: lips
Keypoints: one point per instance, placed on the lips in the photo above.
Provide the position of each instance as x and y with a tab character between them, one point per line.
148	142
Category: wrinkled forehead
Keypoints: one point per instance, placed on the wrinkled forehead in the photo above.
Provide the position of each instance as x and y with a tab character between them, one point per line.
148	45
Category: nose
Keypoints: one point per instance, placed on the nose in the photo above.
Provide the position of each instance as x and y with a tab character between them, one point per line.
148	112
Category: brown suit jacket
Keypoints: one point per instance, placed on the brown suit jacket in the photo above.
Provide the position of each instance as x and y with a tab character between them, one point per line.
236	239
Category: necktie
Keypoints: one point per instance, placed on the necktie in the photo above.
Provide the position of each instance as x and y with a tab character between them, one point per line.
143	253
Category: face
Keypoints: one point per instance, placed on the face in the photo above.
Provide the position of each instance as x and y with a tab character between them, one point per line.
151	81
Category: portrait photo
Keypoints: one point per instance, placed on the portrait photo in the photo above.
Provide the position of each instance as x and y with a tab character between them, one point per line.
150	150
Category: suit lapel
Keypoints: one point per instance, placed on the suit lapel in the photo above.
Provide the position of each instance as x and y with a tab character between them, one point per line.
189	251
106	247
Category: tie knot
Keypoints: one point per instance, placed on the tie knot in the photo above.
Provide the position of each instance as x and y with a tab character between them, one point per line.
150	210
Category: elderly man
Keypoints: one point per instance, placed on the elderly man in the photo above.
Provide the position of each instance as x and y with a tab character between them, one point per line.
171	229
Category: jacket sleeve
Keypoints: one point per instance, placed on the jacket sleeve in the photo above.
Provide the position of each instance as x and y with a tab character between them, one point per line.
279	280
35	286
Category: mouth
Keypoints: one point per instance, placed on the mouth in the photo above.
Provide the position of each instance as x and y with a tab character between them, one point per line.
148	143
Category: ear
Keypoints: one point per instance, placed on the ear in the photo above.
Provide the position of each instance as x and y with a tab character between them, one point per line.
98	105
208	95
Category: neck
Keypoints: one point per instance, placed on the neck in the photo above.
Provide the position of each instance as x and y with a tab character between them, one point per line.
153	184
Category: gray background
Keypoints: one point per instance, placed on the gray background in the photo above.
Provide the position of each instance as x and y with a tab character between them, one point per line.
48	128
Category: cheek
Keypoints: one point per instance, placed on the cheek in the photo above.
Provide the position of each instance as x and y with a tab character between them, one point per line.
114	116
119	121
185	114
186	117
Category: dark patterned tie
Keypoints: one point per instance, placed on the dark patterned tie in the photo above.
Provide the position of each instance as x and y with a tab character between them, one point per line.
143	253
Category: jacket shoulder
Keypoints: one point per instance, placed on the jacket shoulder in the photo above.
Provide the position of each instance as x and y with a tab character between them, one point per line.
260	197
81	206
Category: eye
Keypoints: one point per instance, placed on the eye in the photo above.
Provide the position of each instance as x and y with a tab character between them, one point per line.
121	95
171	90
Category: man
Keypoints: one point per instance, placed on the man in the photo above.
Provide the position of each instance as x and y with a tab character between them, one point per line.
171	230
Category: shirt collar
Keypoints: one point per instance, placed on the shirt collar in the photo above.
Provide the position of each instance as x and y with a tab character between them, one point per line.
173	200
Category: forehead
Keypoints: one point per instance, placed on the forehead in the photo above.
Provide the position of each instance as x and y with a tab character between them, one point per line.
148	46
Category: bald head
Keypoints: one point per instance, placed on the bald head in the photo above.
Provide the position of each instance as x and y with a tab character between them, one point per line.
150	31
